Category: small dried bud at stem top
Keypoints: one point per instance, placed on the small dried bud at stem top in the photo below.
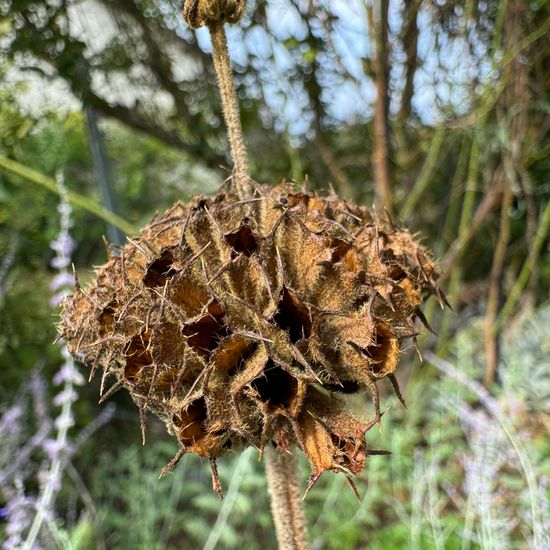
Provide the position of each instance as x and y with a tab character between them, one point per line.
198	13
214	13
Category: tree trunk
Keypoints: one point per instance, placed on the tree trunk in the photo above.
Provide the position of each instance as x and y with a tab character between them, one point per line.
515	105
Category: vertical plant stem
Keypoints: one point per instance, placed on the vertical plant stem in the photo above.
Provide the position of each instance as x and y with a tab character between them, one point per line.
446	237
523	278
513	124
425	177
453	270
333	166
286	506
491	344
222	64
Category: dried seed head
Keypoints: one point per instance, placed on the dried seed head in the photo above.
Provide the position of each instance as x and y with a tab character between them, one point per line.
243	322
198	13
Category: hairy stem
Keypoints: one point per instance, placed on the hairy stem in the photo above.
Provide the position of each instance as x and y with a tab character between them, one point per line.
222	64
286	506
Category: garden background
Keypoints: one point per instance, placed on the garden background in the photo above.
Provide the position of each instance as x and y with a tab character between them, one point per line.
436	111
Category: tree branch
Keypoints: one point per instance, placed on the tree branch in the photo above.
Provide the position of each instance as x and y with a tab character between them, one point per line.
132	118
410	42
381	150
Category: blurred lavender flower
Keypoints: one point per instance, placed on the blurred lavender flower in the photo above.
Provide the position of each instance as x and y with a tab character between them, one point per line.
68	394
495	446
59	448
10	421
19	508
52	448
63	244
68	373
18	513
25	515
61	280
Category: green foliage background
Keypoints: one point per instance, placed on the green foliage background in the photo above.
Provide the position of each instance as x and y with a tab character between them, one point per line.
443	174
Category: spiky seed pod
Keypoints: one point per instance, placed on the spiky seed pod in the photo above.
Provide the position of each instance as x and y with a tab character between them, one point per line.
243	322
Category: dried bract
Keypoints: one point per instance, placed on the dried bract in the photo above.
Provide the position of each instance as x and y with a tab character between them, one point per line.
243	322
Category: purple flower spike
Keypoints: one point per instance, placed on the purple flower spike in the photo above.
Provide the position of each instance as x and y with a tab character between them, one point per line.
68	373
56	299
64	209
64	422
62	279
9	422
64	244
60	262
51	448
67	395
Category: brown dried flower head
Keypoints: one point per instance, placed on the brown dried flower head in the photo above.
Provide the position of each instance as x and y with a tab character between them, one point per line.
244	322
198	13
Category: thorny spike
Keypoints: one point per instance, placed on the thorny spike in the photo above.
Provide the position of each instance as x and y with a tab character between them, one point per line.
153	380
375	395
253	336
90	299
173	463
302	360
93	370
353	487
397	389
184	229
180	374
76	281
375	452
313	479
216	484
142	421
422	317
390	220
149	255
442	299
417	349
366	427
106	244
192	388
103	379
111	391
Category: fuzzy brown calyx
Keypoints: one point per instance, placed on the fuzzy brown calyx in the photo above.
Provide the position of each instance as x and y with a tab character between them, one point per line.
245	322
198	13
